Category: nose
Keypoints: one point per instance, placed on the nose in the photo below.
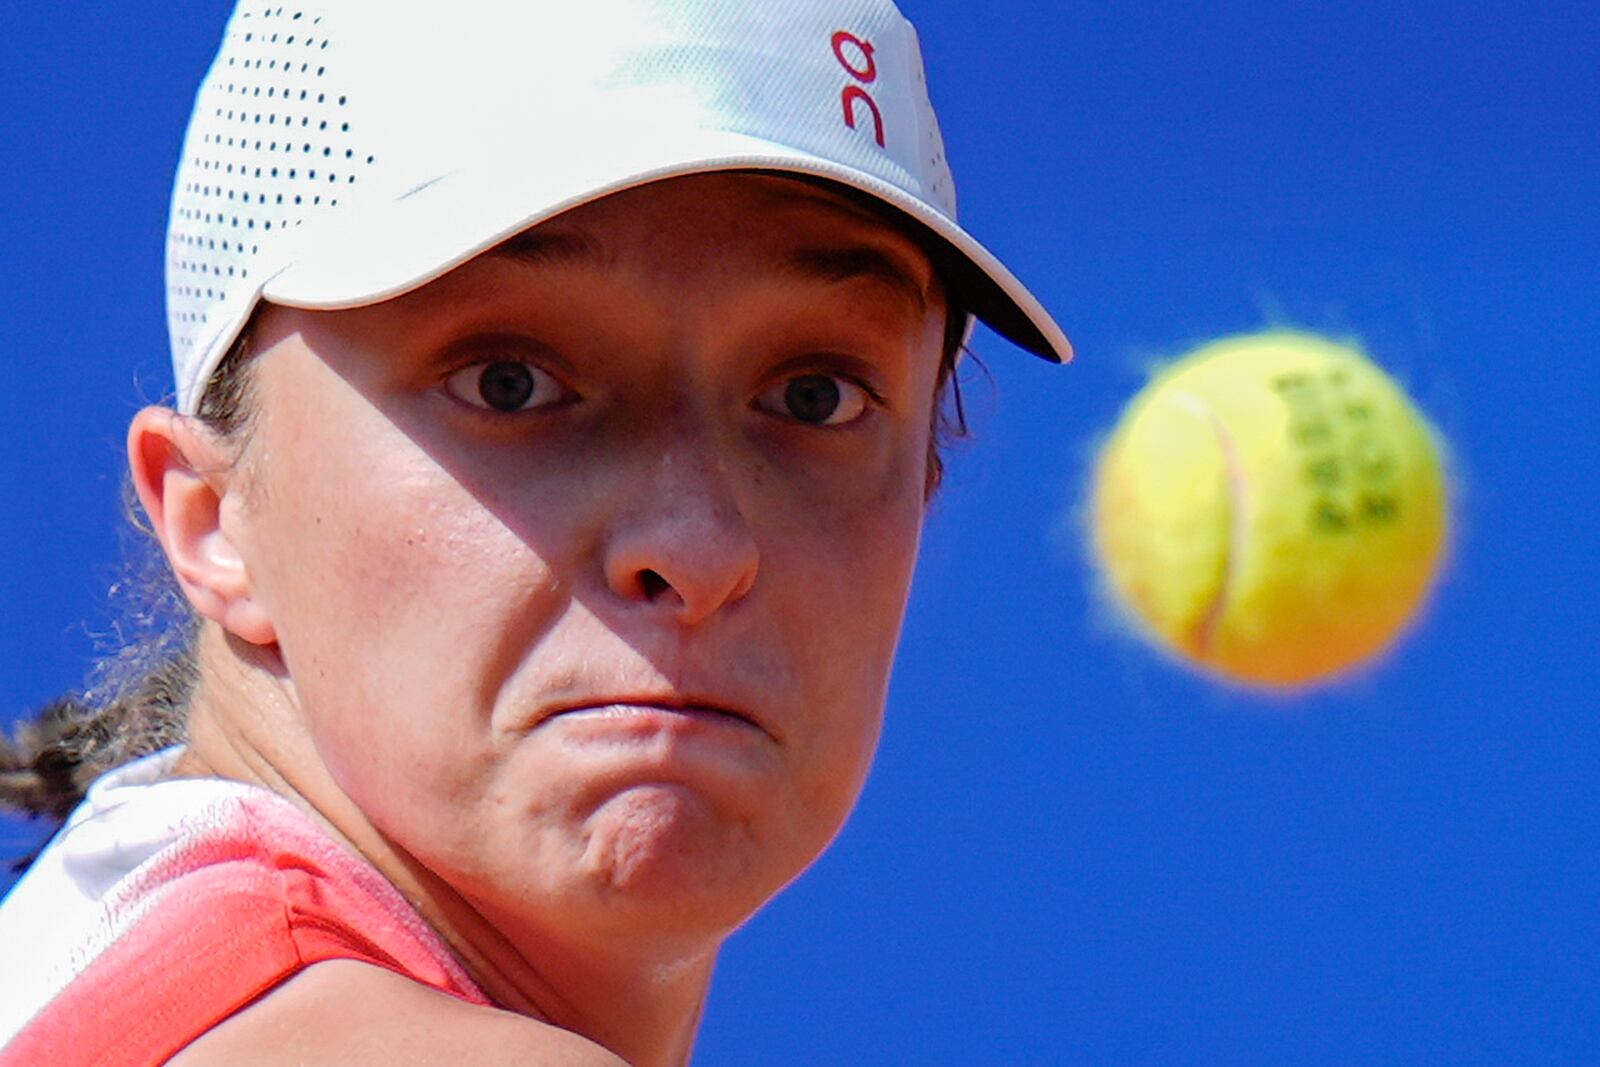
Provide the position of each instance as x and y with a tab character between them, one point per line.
683	542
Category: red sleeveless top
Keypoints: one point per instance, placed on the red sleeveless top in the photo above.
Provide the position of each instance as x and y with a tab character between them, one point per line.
246	892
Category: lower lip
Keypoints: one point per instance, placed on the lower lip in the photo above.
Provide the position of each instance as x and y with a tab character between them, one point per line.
648	719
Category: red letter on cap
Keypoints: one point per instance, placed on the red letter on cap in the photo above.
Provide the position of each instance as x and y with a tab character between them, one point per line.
851	94
868	75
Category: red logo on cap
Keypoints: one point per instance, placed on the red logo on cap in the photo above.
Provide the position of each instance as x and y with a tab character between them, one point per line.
861	66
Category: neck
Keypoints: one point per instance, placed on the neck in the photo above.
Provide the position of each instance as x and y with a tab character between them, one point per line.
645	1006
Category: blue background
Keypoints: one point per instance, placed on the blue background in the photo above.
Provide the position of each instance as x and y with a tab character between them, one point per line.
1071	850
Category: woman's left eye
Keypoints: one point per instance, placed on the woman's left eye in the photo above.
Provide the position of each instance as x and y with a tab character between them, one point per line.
816	399
504	385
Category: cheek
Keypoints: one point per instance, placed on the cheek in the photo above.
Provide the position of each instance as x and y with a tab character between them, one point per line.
401	603
842	576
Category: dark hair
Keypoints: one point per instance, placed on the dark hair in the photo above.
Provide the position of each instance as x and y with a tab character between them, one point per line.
137	699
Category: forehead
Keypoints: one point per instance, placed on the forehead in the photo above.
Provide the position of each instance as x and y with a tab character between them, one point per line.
737	198
799	227
721	235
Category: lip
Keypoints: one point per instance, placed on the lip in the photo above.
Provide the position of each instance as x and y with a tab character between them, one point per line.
688	706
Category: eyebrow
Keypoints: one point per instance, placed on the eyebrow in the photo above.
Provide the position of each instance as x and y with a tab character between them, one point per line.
831	265
859	261
540	247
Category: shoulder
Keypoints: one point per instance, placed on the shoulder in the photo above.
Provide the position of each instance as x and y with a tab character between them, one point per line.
352	1013
202	897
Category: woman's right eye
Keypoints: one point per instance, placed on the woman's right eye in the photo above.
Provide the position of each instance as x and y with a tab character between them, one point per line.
505	385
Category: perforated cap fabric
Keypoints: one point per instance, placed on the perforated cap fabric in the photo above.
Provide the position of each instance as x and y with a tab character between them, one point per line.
343	152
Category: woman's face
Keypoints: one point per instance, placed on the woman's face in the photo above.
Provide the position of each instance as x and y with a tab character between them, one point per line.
586	562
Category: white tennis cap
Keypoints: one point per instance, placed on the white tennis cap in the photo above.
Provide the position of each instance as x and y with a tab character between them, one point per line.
343	152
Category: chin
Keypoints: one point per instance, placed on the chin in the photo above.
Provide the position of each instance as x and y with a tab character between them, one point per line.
667	851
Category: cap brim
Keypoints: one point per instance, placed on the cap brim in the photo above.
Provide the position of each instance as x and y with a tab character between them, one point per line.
381	251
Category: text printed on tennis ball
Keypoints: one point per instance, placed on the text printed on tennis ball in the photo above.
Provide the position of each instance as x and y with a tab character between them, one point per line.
1354	485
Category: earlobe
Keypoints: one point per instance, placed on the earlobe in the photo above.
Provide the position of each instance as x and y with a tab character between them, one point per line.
184	477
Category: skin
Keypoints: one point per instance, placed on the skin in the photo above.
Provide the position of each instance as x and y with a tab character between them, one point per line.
589	682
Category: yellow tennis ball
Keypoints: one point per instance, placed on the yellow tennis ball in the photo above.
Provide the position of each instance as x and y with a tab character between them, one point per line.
1271	507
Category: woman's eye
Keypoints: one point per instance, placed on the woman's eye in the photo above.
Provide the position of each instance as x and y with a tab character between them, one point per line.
816	399
504	385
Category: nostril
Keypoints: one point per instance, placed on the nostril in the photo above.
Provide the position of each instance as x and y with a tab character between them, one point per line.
652	584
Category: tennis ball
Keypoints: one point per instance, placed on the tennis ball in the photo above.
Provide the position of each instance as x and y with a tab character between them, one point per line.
1272	508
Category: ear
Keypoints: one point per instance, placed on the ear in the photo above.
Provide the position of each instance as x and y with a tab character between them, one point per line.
184	476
